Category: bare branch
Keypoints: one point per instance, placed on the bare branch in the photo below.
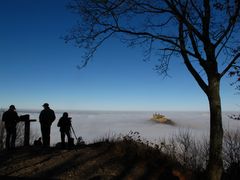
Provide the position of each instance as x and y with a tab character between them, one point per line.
232	21
200	14
190	67
233	61
170	39
177	14
157	24
92	51
195	48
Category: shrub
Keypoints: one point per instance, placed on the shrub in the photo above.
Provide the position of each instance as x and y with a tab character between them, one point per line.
231	148
193	154
182	147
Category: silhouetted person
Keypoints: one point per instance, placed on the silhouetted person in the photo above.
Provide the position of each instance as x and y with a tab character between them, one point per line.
46	118
65	124
10	118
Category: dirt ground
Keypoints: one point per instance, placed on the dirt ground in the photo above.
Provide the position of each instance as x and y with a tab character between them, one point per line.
95	161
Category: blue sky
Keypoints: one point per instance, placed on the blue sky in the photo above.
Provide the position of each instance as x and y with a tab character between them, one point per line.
38	67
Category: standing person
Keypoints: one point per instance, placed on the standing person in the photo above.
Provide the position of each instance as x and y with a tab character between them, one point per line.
46	118
10	118
65	124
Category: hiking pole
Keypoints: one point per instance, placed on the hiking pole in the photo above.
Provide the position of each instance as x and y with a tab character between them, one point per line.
74	132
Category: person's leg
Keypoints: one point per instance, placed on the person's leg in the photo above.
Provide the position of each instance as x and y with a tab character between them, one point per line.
44	135
8	139
69	138
48	129
63	139
42	129
14	135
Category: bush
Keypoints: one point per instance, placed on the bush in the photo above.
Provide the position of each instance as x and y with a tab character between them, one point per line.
231	148
189	152
193	154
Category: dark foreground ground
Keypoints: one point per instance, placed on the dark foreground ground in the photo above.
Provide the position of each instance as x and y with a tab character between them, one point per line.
104	160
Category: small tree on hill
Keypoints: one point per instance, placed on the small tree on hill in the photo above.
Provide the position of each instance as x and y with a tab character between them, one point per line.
205	34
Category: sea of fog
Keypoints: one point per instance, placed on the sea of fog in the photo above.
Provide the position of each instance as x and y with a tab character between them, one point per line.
94	125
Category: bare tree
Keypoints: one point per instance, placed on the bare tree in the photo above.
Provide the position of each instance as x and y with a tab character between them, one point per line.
203	34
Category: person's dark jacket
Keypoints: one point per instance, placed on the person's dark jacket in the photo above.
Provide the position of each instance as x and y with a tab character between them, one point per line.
64	123
10	118
46	117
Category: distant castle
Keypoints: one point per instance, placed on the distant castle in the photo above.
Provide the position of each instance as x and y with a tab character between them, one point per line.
162	119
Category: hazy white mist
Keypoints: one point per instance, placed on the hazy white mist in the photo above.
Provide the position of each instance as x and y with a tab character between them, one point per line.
93	125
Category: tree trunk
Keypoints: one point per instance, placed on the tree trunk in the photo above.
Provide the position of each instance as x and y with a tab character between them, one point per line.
215	163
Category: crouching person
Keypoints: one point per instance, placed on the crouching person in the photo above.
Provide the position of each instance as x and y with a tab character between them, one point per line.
65	124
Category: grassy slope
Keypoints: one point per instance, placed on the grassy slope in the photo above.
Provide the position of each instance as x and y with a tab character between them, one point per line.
124	159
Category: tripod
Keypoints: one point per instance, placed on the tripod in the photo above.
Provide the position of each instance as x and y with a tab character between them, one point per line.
74	133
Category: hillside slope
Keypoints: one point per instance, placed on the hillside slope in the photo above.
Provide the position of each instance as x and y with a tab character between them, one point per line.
121	160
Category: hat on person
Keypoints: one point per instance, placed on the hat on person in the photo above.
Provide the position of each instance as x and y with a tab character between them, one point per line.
45	105
12	107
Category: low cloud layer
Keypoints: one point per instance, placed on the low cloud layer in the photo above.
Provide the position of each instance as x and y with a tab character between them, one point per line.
93	125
